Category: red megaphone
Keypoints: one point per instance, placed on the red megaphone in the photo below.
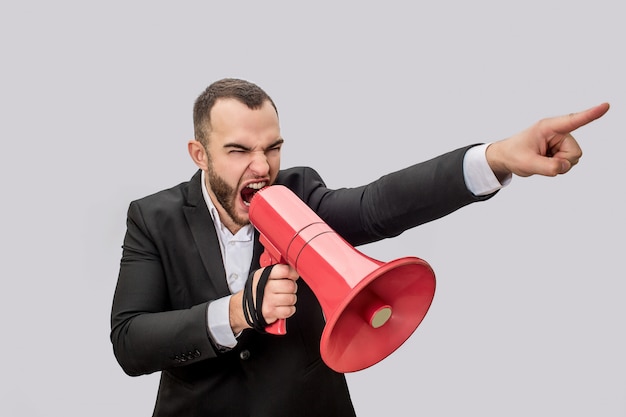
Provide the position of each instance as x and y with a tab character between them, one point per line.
371	307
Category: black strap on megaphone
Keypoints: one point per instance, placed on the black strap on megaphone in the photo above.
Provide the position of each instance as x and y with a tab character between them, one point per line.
252	309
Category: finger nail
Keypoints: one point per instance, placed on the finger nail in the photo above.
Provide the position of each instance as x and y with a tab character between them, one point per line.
564	166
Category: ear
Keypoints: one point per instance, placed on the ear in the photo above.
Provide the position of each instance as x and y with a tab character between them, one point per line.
198	154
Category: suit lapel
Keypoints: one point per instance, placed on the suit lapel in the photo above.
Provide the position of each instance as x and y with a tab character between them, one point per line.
256	254
204	235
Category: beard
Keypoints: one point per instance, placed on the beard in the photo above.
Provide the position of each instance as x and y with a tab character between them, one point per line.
225	195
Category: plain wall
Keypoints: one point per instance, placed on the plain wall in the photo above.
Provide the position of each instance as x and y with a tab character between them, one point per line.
96	99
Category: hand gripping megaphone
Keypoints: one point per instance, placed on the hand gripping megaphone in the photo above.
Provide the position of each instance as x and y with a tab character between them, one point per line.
371	307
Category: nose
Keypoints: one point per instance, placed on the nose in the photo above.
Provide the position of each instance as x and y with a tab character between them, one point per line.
259	165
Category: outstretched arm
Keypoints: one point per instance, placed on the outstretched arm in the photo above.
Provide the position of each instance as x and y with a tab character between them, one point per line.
545	148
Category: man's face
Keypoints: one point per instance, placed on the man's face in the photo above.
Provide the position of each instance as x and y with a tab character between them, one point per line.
244	156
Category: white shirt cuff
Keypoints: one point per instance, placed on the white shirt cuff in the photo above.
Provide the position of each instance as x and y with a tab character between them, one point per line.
219	323
479	178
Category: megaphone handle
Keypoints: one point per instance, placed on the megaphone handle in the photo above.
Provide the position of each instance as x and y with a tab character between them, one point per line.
279	327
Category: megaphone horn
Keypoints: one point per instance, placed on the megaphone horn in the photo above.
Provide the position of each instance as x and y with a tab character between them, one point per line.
371	307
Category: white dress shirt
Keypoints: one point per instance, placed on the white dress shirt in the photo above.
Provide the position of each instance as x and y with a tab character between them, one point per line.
237	249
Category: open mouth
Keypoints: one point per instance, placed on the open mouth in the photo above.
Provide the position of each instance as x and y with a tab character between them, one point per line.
250	190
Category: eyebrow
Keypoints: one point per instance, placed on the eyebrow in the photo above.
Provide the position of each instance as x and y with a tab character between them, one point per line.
278	142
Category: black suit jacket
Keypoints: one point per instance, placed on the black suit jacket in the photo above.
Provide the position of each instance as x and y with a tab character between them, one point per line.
171	269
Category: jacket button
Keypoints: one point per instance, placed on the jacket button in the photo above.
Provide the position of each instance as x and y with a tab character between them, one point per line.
244	355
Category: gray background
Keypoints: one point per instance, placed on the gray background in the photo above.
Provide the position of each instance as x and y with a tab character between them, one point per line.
96	98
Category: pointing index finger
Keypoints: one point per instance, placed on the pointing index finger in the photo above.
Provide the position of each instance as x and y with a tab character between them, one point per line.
571	122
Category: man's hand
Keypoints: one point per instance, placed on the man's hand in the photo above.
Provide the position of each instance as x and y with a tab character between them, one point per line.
545	148
279	299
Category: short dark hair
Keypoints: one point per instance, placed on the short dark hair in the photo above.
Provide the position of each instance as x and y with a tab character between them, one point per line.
246	92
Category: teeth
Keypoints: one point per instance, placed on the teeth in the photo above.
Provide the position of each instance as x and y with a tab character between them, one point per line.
256	185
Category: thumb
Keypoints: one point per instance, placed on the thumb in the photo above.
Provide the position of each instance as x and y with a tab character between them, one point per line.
548	166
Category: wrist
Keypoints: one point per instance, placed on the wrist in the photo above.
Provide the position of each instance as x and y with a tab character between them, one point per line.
496	161
237	320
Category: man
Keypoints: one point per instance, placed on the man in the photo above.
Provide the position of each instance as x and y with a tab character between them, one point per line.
188	252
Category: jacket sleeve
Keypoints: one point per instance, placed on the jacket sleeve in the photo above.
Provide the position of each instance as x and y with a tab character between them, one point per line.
395	202
146	336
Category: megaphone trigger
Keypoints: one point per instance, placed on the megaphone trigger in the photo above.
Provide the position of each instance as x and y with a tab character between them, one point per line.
272	256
